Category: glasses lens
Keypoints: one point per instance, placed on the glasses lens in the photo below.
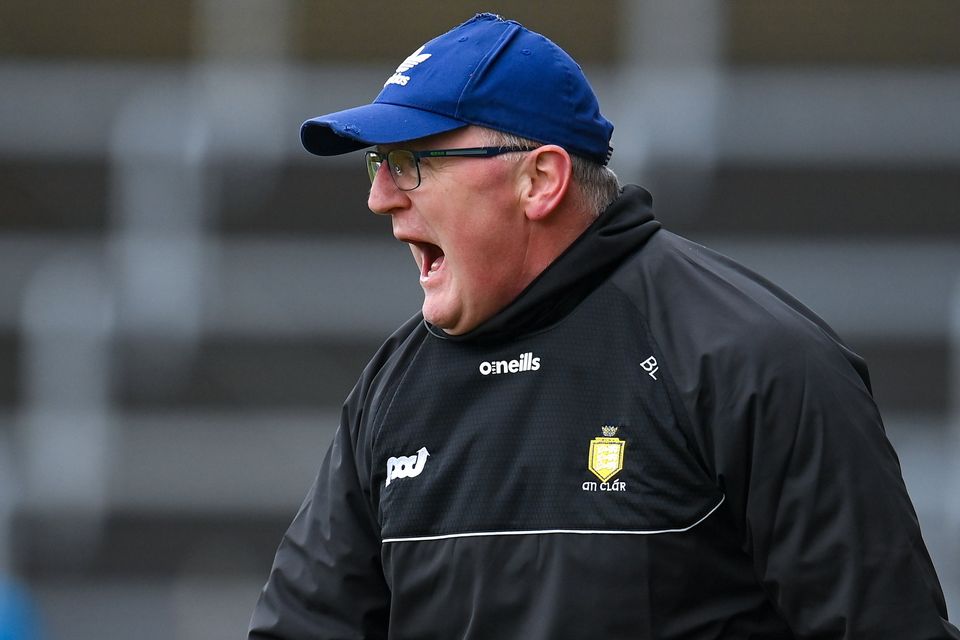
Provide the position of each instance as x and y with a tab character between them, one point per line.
404	169
374	160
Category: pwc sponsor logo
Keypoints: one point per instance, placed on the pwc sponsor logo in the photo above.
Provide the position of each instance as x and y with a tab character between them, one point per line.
406	466
526	362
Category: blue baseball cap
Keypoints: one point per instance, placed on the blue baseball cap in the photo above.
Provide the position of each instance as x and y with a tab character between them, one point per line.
488	71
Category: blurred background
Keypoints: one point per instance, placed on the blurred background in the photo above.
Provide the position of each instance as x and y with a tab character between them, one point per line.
186	296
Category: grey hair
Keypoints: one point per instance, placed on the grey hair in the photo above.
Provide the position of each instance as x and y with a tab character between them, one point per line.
599	185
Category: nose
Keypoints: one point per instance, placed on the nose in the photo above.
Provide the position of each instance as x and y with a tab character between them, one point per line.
385	197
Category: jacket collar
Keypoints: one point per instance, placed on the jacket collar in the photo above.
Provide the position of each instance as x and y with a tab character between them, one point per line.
617	233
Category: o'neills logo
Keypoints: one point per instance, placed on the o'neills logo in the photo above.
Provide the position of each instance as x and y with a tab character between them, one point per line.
526	362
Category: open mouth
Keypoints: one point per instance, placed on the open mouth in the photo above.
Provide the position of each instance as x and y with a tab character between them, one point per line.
431	260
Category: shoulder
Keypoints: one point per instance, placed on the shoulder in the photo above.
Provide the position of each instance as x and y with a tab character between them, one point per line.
393	354
718	319
384	370
742	359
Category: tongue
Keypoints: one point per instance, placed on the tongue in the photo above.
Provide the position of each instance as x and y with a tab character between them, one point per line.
436	264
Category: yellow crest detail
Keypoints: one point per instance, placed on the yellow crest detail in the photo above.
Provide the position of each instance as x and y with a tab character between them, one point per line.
606	457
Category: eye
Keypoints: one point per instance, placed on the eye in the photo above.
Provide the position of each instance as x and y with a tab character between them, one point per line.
403	167
406	162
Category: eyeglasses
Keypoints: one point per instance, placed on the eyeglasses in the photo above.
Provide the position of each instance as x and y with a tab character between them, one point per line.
404	165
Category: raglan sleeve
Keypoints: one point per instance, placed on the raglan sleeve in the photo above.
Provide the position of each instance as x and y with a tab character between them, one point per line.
326	580
799	449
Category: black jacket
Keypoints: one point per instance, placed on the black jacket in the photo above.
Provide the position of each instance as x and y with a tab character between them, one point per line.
650	442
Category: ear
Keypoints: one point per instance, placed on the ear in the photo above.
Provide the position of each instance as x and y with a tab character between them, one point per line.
546	174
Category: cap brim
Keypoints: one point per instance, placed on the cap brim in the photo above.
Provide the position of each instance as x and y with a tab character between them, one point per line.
371	124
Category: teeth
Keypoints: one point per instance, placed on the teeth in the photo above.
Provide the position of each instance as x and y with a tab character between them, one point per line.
428	267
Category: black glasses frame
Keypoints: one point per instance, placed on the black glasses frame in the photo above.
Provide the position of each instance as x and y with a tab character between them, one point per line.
375	158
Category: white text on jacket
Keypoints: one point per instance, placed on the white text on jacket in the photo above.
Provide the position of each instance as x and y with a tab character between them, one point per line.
526	362
406	466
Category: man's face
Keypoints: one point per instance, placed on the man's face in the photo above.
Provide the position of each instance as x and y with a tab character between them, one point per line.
467	232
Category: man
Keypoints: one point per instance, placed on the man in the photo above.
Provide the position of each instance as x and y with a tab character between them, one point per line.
594	428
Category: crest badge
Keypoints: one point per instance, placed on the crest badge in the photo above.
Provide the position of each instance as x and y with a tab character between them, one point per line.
606	454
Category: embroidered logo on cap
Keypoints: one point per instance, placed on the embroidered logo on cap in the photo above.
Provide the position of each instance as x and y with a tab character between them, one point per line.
412	60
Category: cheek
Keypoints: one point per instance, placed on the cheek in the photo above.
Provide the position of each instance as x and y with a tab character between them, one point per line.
483	228
485	240
486	264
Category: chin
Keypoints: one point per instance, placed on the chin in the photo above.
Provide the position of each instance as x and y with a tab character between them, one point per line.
438	318
453	326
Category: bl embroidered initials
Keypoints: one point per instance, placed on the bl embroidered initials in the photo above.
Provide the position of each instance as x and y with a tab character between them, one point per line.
650	366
